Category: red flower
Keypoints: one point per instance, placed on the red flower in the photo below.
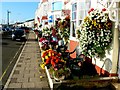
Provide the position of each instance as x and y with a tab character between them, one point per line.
48	61
103	9
53	63
90	10
57	60
41	39
59	54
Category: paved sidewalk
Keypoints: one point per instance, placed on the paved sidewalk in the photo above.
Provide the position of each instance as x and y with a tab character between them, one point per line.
26	72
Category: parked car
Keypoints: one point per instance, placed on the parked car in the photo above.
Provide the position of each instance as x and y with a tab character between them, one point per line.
19	34
26	29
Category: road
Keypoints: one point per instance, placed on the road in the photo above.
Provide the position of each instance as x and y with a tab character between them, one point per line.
10	52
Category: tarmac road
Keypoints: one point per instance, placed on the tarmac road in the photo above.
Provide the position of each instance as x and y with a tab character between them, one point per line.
10	52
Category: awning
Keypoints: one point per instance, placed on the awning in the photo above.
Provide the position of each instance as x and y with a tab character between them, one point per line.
44	18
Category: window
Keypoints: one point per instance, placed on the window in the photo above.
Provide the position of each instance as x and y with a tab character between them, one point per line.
74	15
79	11
84	8
57	5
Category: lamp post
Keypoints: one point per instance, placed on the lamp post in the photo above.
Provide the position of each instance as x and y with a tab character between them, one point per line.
8	13
53	11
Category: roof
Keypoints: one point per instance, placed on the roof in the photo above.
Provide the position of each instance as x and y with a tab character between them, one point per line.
29	20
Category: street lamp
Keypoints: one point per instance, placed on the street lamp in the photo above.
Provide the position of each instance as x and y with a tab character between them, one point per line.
53	11
8	13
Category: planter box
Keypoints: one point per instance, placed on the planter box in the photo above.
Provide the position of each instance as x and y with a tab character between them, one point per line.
81	83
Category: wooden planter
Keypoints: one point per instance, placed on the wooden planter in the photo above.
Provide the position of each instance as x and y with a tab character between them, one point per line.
85	83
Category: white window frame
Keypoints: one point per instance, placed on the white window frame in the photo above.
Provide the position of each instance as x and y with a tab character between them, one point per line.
73	20
78	16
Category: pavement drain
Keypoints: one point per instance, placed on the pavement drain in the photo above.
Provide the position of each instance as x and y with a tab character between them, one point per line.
16	72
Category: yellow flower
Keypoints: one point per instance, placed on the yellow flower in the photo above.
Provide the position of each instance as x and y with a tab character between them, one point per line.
49	54
94	22
63	61
42	65
50	49
52	54
41	77
43	59
86	19
46	57
42	53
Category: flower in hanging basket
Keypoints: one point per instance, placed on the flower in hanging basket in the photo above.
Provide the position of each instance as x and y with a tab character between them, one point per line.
95	33
104	9
64	28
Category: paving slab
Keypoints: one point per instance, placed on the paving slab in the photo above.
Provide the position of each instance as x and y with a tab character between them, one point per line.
26	72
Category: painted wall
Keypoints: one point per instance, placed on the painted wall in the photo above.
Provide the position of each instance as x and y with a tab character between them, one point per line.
110	62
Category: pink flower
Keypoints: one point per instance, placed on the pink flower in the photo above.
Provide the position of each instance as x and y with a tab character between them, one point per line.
55	69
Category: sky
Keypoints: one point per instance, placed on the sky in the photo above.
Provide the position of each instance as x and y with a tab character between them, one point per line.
20	11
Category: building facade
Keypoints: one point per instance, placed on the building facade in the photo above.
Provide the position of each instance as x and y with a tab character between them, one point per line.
79	9
49	10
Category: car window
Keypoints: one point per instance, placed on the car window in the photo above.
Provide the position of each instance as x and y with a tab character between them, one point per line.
19	32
